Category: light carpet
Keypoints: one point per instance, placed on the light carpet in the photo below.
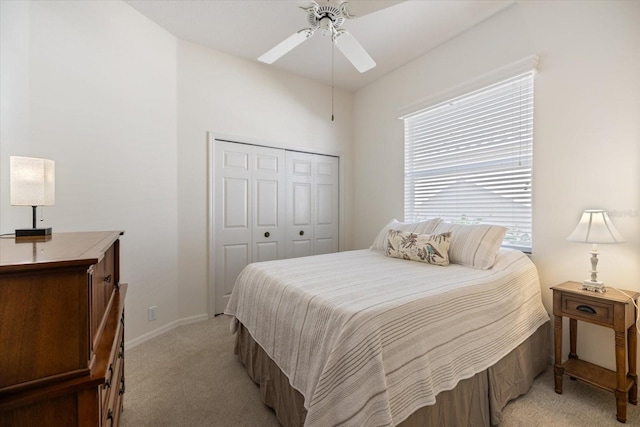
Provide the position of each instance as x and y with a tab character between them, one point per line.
189	377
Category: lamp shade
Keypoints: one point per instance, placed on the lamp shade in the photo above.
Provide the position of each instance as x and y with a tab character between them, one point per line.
595	227
32	181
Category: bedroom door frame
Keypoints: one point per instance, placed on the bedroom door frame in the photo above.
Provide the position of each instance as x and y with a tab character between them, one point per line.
212	137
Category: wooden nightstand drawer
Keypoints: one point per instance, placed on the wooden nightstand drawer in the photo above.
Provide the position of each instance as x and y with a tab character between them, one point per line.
587	309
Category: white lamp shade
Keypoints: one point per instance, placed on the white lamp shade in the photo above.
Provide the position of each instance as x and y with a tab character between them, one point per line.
32	181
595	227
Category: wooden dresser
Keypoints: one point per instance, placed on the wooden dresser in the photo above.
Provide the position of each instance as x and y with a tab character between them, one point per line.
61	330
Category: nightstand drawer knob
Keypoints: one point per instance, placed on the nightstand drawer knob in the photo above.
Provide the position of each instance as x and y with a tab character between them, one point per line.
586	309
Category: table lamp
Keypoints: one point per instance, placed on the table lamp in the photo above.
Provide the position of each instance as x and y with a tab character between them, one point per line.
595	227
32	184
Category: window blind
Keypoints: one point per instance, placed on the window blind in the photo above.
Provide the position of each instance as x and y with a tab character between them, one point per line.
469	160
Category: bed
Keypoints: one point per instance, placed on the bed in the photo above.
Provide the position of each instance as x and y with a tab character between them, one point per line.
361	338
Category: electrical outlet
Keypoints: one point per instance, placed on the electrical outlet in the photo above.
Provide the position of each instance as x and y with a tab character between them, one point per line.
151	312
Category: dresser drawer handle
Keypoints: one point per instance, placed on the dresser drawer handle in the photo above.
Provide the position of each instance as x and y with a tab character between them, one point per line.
121	392
107	383
110	417
107	279
586	309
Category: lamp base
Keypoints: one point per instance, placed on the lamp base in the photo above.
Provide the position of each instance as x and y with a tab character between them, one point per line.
594	286
30	232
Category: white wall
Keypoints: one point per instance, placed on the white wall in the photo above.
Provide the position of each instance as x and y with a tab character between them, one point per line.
253	102
14	99
123	108
586	134
92	85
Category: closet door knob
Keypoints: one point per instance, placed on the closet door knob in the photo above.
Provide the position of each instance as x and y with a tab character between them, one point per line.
301	233
267	234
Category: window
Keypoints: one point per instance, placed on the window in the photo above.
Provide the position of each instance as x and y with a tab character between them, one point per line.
468	160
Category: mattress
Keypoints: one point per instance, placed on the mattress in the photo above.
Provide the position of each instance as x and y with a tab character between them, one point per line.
367	339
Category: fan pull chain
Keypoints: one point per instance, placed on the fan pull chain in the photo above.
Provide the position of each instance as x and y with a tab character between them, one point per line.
333	46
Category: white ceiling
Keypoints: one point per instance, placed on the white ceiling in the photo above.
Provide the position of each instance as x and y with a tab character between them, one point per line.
392	32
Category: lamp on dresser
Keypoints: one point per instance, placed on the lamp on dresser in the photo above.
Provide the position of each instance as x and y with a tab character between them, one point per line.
595	227
32	184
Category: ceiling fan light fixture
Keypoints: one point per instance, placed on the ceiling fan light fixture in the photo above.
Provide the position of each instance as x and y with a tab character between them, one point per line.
326	26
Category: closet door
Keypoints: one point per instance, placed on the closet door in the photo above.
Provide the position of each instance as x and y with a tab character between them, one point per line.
312	211
249	211
268	200
233	205
327	212
299	204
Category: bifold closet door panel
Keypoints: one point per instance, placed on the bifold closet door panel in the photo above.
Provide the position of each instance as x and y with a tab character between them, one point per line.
312	205
249	211
326	224
299	204
233	204
268	201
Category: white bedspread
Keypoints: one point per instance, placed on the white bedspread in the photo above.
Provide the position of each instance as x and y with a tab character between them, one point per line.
369	339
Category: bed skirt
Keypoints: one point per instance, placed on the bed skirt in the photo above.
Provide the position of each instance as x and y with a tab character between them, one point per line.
476	401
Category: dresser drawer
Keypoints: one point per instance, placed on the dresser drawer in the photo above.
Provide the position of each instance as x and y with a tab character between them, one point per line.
112	407
114	382
102	283
43	328
587	309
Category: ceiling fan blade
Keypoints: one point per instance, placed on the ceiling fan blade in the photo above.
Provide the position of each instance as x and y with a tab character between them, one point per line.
354	51
285	46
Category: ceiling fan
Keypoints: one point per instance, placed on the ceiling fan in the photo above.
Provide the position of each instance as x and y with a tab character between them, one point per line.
328	19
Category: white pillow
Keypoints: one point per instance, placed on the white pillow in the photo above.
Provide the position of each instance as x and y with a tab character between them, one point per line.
429	248
422	227
473	245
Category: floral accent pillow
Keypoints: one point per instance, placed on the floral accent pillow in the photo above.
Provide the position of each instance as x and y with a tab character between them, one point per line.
422	227
429	248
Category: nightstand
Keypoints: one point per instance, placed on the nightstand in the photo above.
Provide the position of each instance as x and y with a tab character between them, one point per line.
613	310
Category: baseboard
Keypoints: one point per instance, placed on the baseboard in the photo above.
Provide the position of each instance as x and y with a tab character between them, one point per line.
166	328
